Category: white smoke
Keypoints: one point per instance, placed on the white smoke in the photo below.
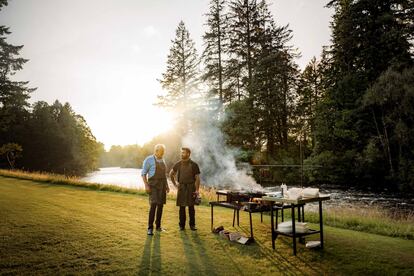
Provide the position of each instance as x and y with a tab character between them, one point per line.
216	160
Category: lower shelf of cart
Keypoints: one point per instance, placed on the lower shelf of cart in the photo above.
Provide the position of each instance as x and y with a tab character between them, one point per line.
298	235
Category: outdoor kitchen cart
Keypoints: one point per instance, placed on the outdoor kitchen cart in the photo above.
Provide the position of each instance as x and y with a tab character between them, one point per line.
294	203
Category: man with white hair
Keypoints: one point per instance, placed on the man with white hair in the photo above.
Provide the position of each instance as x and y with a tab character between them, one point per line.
154	175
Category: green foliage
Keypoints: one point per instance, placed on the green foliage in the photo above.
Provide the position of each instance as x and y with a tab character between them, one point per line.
274	82
356	135
310	91
261	75
56	139
11	151
130	156
391	100
330	170
238	125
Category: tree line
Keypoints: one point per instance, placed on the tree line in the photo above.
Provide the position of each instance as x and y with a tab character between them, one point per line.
348	114
39	136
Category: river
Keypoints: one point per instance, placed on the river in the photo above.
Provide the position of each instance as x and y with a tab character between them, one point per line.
124	177
131	178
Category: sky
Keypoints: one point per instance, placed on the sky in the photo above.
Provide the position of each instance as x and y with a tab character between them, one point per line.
104	56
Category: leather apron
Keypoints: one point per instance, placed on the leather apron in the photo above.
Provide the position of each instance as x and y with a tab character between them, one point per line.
158	184
186	185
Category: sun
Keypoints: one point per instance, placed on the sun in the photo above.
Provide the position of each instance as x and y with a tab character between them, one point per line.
131	125
160	121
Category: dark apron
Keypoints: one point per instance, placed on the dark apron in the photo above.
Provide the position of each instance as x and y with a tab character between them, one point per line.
158	184
186	186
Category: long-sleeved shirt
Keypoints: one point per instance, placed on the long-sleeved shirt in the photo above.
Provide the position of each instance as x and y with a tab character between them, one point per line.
148	166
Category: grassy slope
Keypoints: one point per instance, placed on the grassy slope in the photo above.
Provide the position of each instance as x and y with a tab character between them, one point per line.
371	220
61	229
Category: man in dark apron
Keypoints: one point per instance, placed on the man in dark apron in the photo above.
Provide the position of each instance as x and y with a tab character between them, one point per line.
155	179
188	176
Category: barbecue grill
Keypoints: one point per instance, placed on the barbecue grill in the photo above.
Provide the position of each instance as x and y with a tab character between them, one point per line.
246	200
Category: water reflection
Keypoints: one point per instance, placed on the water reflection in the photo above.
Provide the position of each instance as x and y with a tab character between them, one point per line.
124	177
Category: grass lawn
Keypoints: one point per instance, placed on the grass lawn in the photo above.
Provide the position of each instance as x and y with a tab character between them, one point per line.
55	229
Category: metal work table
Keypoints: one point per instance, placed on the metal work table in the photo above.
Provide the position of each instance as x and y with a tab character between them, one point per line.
293	204
239	202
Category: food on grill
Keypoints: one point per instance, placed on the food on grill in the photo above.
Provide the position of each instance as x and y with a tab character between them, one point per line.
274	194
240	195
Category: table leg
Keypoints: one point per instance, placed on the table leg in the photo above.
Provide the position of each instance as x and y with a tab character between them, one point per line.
272	223
234	216
293	229
251	225
261	216
277	216
321	223
238	217
300	219
303	213
212	218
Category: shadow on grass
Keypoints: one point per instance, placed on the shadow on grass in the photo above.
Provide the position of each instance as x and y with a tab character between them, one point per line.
302	263
151	256
195	252
281	258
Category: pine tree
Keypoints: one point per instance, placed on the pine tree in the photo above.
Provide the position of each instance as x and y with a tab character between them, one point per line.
182	75
244	32
310	91
265	77
215	50
274	81
13	94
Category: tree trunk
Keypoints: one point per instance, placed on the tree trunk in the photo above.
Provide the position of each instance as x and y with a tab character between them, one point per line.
387	143
219	56
10	159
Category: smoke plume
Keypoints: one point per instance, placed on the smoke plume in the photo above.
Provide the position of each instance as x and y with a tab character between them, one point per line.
216	160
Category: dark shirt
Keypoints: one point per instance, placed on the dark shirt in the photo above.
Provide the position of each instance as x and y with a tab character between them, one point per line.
186	171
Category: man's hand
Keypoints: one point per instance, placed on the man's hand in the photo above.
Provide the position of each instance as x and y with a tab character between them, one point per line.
147	186
168	188
172	177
